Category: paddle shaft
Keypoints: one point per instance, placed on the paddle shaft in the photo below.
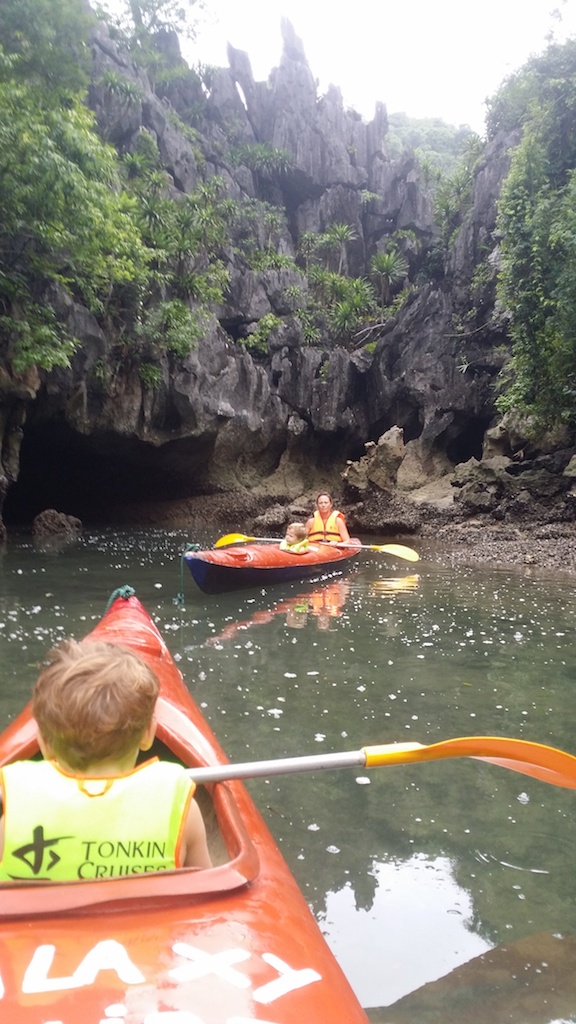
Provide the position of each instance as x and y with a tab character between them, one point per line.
548	764
278	766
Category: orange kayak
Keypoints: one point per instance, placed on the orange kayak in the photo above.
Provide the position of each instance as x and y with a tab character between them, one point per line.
257	565
227	945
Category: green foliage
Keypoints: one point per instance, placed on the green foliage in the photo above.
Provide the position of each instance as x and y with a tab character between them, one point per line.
451	200
257	341
129	93
352	306
440	145
258	230
185	234
50	43
171	327
267	259
537	221
150	376
310	328
63	216
149	30
388	268
156	17
261	157
334	241
296	297
37	338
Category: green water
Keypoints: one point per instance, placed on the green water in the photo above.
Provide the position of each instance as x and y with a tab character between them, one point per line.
410	871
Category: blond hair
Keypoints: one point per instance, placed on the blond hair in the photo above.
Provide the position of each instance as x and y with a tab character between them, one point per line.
299	529
93	701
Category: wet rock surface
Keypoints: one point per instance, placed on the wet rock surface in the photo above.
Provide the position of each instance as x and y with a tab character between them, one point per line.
51	523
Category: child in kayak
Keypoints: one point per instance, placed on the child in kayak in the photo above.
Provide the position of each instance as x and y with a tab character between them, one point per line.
88	810
296	539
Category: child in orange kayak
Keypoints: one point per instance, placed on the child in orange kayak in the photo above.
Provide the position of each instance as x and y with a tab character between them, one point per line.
88	811
296	539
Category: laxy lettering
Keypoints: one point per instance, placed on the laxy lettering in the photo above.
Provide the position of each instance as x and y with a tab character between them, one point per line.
196	964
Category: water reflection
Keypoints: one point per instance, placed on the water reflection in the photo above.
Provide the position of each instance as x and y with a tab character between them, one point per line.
322	604
418	940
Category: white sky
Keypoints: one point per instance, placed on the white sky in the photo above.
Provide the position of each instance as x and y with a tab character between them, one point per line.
429	58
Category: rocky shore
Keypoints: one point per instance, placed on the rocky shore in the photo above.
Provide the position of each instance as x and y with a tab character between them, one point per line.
439	535
544	549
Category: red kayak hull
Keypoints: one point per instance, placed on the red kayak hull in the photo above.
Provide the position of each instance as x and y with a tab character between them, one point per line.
258	565
229	945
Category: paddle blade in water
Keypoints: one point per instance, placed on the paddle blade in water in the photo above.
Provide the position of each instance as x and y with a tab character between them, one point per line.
400	550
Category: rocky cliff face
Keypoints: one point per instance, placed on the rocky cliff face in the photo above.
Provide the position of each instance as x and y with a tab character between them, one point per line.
278	423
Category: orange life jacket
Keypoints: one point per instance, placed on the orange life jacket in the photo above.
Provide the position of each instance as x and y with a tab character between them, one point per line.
325	530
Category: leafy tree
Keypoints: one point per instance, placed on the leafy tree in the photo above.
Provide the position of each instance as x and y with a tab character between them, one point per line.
150	30
259	156
257	341
63	220
441	146
338	236
307	248
389	269
140	21
50	43
451	200
170	326
537	221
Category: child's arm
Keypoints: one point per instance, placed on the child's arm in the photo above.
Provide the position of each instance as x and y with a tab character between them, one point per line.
195	847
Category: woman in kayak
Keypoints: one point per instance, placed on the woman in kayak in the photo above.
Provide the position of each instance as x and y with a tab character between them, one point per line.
88	811
327	523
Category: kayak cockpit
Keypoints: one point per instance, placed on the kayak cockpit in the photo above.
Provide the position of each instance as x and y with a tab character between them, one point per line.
234	857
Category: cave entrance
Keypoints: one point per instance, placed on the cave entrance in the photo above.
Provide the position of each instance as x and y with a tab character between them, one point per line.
94	476
464	440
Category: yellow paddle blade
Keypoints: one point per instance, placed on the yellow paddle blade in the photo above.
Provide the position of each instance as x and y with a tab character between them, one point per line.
232	538
535	759
400	550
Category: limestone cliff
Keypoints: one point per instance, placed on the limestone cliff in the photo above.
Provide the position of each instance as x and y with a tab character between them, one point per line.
94	437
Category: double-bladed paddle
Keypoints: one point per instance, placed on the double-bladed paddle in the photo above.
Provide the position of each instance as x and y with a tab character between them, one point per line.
548	764
400	550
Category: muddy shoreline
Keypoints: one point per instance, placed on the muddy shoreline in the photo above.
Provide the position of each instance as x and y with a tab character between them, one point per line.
541	547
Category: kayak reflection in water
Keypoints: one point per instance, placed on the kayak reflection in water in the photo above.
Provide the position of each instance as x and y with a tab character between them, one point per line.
324	605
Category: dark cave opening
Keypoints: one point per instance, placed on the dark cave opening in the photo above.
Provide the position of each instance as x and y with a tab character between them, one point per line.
93	476
464	441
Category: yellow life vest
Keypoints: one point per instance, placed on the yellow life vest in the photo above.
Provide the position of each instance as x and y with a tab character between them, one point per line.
300	545
325	531
60	827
